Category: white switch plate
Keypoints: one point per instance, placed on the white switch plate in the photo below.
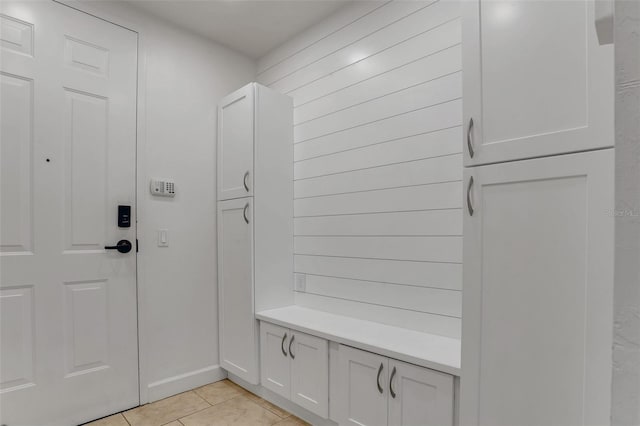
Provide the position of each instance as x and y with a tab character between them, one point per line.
300	282
163	238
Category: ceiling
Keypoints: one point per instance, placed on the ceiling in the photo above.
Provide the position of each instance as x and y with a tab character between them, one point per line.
252	27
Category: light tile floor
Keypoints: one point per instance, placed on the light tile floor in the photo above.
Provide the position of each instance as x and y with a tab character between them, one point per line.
217	404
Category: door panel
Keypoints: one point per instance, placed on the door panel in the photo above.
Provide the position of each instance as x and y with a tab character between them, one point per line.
235	146
68	108
363	388
275	371
534	90
538	292
310	373
238	326
422	397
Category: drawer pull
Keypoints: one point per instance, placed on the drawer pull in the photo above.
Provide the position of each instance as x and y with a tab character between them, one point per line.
284	352
293	336
244	181
469	144
244	213
393	373
469	206
378	379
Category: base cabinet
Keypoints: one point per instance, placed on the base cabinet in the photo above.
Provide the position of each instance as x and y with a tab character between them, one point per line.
378	391
295	366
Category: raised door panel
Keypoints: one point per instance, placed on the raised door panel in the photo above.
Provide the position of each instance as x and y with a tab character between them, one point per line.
275	371
538	292
536	80
363	382
235	144
419	396
310	373
238	326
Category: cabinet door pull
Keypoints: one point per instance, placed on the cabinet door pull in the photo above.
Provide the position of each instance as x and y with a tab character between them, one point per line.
393	373
244	181
469	144
284	352
244	213
378	379
469	206
293	336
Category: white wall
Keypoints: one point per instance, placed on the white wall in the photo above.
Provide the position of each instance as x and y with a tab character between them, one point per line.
626	348
378	165
181	78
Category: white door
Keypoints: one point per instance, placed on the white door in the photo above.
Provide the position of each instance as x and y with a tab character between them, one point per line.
310	372
275	371
538	292
235	144
363	388
536	80
238	327
68	108
419	396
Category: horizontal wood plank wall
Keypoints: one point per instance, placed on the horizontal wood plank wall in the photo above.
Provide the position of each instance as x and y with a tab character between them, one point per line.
378	165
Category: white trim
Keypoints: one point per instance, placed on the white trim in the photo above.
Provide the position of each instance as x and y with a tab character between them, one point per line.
184	382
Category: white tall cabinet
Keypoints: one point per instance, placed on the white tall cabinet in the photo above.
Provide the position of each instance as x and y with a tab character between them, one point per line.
255	219
538	224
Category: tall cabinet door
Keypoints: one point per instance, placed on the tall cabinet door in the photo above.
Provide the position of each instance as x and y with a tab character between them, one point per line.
419	396
310	372
237	324
235	144
538	292
363	388
275	371
536	80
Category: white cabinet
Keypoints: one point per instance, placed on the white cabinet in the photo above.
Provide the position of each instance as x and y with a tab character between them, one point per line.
538	291
238	334
235	144
419	396
378	391
536	80
255	251
296	366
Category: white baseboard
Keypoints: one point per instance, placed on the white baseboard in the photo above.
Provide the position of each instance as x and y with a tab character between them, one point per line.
184	382
283	403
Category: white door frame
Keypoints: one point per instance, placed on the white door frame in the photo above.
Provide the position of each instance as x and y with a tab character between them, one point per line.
141	140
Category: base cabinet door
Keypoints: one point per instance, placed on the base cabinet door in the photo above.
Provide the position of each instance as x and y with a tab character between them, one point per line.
363	388
538	292
419	396
310	373
238	328
274	359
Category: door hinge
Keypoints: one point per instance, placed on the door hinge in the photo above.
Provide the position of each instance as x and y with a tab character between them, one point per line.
136	245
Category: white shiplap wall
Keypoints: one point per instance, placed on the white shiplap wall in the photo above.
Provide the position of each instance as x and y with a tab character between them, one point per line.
378	166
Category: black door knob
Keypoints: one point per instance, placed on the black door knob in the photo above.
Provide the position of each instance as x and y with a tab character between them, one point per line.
123	246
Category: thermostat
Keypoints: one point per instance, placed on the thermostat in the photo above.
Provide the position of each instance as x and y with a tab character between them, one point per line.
162	187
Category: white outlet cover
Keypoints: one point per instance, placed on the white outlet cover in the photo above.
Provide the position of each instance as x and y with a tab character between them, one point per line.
300	282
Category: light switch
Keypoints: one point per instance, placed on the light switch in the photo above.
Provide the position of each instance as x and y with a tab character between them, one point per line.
163	238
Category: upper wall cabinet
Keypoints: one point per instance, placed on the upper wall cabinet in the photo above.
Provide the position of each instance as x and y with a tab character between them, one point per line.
536	80
235	144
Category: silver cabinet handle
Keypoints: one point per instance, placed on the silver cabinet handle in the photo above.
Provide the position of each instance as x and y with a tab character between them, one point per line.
293	336
378	379
469	206
393	373
469	144
244	213
244	181
284	352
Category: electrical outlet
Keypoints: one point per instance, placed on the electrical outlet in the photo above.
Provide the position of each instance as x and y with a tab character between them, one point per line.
163	238
300	282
